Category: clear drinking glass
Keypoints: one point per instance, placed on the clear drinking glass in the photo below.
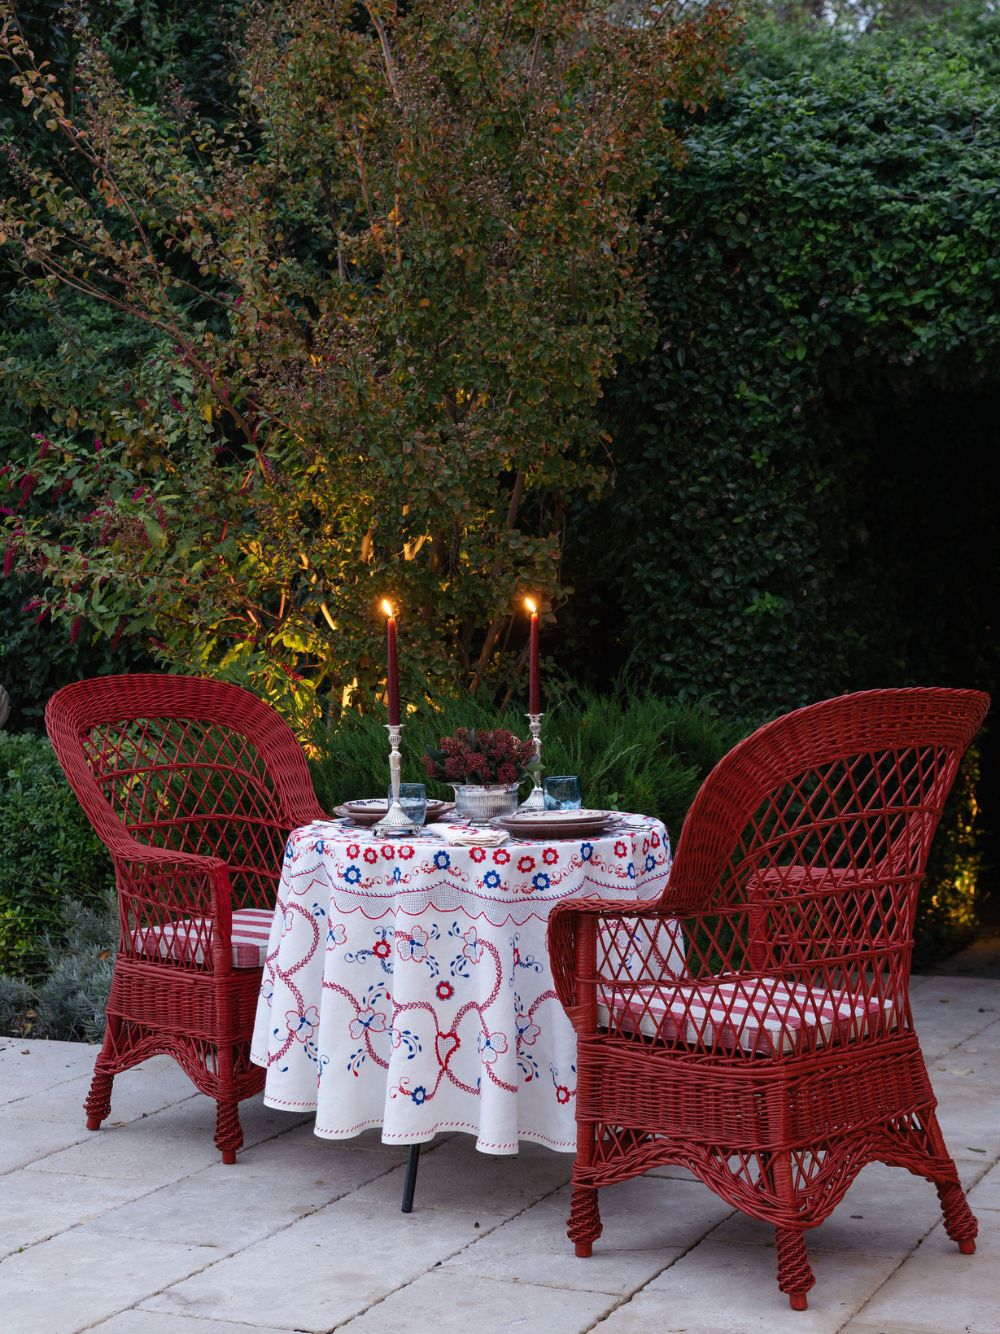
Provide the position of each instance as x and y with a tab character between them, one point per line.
413	799
562	792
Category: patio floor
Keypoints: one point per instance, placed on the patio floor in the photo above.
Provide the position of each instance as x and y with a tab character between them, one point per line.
141	1230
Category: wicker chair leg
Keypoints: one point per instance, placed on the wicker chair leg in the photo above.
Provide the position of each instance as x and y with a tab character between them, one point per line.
960	1222
228	1131
795	1275
98	1104
584	1219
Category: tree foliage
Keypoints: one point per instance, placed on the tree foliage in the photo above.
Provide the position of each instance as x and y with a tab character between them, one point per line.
372	314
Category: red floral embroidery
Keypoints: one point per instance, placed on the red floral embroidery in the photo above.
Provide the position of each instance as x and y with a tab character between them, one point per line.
371	854
549	856
405	852
621	850
353	850
445	991
656	840
478	854
562	1093
501	857
381	949
526	864
388	852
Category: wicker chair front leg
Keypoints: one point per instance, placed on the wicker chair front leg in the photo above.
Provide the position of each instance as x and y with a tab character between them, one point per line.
228	1131
98	1104
960	1222
795	1275
584	1220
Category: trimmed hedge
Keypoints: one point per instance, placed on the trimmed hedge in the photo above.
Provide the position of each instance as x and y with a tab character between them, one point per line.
826	256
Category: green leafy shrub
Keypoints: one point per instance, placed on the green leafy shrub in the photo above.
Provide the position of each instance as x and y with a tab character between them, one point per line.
51	857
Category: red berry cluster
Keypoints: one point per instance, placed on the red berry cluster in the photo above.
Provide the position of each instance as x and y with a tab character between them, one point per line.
469	756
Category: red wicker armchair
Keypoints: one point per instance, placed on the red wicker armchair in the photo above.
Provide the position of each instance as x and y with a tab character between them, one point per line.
193	786
780	1057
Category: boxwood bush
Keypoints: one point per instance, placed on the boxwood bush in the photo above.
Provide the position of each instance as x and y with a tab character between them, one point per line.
51	857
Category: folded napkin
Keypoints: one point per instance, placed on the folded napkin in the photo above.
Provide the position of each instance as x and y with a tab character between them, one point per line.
468	836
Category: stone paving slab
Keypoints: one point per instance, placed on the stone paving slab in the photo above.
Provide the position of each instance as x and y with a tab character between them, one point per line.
140	1229
495	1304
937	1289
137	1321
648	1223
331	1266
718	1288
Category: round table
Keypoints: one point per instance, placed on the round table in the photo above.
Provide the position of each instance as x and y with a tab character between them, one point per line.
407	983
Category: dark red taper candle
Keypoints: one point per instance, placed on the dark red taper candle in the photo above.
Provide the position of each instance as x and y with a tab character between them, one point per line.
534	686
392	666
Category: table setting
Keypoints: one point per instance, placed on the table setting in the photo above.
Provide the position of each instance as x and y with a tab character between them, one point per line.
406	981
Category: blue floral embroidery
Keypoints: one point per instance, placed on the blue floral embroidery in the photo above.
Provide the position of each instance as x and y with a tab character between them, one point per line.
650	862
419	1094
586	851
319	845
352	875
442	860
630	870
540	881
492	880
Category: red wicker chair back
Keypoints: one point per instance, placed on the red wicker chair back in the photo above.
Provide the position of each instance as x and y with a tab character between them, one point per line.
831	786
184	763
803	853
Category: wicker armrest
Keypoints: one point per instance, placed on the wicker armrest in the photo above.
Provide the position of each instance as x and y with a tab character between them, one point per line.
160	886
572	937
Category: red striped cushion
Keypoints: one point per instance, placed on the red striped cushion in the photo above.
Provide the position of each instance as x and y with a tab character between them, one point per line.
763	1015
188	940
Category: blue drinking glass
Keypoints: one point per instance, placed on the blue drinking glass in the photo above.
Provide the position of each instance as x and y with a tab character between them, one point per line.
413	799
562	792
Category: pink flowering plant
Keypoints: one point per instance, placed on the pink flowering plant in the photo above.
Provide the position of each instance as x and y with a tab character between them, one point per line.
484	757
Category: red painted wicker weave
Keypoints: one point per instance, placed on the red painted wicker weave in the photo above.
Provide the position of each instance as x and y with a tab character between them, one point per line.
794	885
193	785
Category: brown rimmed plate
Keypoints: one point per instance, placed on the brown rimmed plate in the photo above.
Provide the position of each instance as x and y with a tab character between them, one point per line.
555	824
369	811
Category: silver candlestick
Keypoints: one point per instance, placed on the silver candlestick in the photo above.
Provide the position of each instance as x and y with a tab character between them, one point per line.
395	822
535	800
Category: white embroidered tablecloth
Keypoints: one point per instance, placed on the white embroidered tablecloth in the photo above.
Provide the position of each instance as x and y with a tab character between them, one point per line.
407	984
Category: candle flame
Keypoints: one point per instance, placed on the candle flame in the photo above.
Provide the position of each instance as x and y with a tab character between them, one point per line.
387	608
530	604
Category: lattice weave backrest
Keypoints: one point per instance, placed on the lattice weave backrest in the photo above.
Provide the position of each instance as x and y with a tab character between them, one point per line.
806	846
180	763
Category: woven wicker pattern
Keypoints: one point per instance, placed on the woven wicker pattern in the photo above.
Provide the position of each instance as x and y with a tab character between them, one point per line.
779	1058
193	786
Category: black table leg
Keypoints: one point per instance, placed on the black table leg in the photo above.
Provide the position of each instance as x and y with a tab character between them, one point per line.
410	1183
